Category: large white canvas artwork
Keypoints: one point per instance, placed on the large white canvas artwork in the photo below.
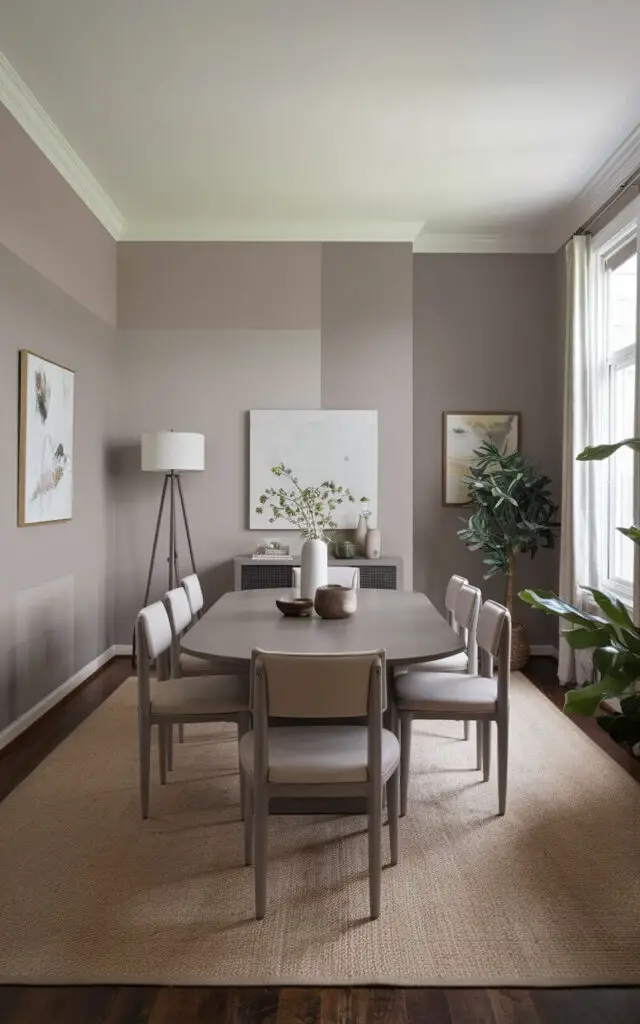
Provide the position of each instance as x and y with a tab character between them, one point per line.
45	485
318	444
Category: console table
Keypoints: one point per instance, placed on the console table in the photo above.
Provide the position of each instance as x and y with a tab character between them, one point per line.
264	573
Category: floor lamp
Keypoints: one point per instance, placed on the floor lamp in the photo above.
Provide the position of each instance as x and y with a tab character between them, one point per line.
171	453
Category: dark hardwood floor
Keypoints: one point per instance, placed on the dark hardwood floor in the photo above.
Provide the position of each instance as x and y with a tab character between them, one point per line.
146	1005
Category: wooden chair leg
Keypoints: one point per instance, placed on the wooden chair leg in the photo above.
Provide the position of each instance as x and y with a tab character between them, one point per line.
244	724
375	853
405	761
486	749
479	734
170	748
248	825
260	826
467	731
181	733
162	752
503	761
393	799
144	732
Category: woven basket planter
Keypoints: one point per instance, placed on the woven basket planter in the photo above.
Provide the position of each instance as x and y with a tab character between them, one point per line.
520	649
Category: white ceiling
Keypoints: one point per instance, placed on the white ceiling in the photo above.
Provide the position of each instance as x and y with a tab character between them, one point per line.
458	121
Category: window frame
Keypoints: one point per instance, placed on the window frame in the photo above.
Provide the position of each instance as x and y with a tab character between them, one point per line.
614	245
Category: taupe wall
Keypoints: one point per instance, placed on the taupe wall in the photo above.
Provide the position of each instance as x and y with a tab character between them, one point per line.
55	600
486	336
223	285
44	222
205	381
367	347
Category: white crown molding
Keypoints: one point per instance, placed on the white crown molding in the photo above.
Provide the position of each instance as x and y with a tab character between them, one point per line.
31	116
462	243
601	187
272	231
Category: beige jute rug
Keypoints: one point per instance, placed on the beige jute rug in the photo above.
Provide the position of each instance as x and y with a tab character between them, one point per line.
547	895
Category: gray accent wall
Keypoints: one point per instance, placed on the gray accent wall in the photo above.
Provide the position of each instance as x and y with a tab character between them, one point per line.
203	381
487	336
44	222
55	580
367	363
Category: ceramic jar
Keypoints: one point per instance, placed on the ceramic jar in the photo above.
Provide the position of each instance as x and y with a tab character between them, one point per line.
335	602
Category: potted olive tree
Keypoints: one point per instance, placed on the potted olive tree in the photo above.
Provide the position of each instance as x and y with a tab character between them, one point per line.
513	514
613	637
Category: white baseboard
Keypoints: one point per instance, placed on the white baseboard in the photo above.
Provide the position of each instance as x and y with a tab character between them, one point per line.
122	650
545	650
38	710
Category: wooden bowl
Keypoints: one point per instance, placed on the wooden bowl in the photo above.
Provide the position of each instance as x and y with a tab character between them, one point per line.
295	607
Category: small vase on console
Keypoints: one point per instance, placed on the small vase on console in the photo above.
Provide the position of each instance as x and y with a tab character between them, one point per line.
361	535
373	544
313	567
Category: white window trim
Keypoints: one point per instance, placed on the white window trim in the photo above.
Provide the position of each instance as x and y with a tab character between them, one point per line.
623	228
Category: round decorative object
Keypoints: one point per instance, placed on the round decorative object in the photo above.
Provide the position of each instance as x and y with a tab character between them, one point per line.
520	649
335	602
313	567
295	607
361	535
345	549
373	544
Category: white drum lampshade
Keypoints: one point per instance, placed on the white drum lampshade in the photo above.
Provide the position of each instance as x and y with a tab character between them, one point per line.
168	450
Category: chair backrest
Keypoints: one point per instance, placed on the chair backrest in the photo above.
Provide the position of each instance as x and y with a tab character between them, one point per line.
450	595
318	686
466	611
494	643
342	575
193	589
305	686
153	641
179	612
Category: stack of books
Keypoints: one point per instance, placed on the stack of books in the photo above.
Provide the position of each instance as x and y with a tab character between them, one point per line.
267	552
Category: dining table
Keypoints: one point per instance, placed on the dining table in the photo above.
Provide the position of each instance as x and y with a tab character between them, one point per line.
405	624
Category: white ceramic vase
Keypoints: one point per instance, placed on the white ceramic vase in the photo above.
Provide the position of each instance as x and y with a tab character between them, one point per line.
361	535
373	544
313	567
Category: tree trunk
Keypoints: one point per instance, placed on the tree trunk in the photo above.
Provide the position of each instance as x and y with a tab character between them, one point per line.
510	577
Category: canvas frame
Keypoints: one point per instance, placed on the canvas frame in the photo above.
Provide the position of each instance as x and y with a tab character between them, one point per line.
445	455
25	354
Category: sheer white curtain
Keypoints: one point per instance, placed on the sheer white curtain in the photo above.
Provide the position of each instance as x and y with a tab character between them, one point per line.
583	508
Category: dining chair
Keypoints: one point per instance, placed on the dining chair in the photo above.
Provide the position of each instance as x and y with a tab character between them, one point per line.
168	700
191	664
342	575
351	760
462	616
481	698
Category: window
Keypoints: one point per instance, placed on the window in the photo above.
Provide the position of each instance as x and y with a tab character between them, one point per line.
617	272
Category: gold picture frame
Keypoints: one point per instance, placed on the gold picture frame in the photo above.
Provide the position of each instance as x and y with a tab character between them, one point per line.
462	433
45	446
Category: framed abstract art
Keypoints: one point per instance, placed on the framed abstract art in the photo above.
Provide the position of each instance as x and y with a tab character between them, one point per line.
462	432
45	463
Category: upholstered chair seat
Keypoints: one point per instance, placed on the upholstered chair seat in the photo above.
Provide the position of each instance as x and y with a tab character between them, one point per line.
442	691
200	695
321	754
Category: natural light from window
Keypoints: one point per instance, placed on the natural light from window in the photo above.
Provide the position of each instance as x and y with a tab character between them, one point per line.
621	285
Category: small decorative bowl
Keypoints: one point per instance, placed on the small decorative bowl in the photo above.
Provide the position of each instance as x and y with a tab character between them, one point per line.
295	607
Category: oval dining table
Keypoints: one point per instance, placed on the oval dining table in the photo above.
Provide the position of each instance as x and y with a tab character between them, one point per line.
405	623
